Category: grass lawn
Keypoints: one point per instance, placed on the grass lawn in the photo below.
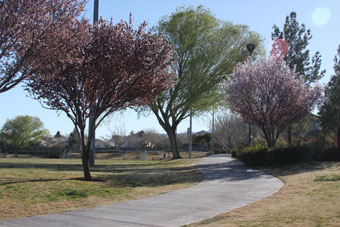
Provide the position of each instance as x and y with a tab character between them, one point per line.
34	186
310	197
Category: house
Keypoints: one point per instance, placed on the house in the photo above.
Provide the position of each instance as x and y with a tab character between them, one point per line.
62	142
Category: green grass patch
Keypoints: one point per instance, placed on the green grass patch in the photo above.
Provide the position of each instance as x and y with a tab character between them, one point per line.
34	186
73	194
327	178
310	197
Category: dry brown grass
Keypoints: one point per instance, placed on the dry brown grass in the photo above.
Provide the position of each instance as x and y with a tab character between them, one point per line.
303	201
33	186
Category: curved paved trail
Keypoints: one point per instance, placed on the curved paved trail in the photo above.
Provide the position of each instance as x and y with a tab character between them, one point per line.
228	184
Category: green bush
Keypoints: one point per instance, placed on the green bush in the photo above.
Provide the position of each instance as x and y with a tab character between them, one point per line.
280	142
322	142
264	156
329	154
256	155
284	155
219	151
233	152
296	141
259	142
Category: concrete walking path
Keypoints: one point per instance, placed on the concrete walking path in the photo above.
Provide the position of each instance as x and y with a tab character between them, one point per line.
228	184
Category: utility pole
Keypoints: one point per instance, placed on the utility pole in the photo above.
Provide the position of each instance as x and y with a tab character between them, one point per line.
190	136
212	131
250	48
92	122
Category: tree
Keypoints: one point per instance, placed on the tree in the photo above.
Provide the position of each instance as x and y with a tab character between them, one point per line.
138	140
23	131
118	140
330	108
207	50
109	68
230	131
297	57
269	95
26	26
117	136
156	140
57	135
202	140
74	140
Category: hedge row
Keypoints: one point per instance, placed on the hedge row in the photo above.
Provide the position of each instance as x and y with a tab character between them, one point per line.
261	155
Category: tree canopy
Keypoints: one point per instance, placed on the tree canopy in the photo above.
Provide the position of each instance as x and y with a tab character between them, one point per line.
23	131
109	68
207	50
29	28
269	95
330	109
298	37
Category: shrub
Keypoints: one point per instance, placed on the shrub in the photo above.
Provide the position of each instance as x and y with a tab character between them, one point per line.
233	152
322	142
259	142
328	154
263	156
284	155
253	155
219	151
296	141
280	142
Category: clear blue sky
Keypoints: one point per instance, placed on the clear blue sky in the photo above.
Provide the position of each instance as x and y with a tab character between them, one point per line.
321	16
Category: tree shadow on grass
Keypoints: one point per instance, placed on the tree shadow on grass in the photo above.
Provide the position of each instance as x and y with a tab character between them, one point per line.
137	175
296	168
133	175
155	178
28	181
76	167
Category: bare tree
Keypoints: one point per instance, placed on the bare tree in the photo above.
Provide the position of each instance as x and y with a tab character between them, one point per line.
230	131
117	136
155	139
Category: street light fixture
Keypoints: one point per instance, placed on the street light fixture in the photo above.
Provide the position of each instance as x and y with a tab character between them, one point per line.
250	48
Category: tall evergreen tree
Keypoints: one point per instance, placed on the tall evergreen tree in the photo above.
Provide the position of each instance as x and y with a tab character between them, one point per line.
330	109
298	38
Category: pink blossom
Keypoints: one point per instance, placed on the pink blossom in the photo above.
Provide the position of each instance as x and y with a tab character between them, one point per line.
267	94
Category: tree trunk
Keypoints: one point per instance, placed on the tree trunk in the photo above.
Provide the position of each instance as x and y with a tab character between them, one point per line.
173	143
289	136
271	143
270	139
338	138
85	161
249	135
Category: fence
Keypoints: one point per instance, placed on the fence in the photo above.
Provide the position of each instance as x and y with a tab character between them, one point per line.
109	152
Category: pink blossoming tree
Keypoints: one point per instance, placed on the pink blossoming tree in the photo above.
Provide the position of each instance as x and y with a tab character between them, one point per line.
280	48
109	68
26	27
269	95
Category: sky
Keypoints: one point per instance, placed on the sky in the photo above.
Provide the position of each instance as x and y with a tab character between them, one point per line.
322	17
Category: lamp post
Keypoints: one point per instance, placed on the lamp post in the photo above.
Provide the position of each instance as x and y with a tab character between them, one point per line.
91	119
212	131
250	48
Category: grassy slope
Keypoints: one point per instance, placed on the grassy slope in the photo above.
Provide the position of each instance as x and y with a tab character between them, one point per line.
310	197
32	186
